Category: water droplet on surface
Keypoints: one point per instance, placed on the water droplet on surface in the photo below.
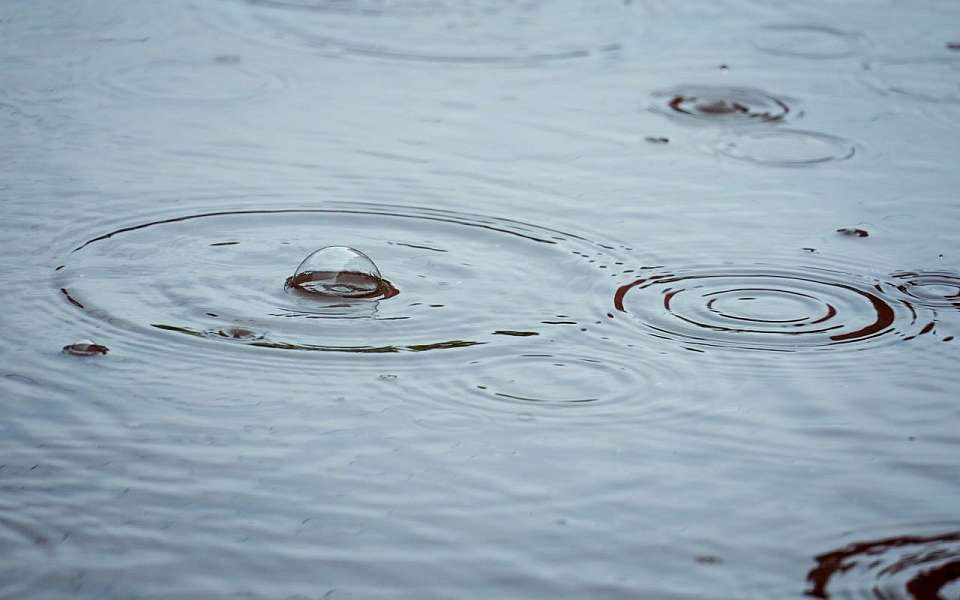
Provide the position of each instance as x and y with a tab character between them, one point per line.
340	272
85	348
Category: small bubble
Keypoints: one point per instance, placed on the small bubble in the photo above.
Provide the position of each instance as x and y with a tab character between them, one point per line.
657	140
387	377
85	348
340	272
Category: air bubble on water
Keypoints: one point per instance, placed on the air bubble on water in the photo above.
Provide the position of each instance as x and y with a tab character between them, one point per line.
339	272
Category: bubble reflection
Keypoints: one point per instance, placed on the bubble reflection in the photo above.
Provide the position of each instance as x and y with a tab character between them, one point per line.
340	272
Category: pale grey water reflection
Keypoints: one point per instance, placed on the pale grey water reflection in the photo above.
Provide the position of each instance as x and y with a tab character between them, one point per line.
626	342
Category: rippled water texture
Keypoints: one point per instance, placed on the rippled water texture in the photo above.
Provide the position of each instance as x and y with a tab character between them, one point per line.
358	299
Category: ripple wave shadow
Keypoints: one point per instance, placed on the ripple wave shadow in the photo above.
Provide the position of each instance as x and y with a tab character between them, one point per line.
437	31
807	41
198	79
580	382
928	79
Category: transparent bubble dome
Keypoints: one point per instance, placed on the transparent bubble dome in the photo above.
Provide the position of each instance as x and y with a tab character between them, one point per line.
339	272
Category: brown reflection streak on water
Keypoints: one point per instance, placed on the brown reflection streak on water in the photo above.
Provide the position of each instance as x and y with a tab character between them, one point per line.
930	563
885	318
70	298
253	339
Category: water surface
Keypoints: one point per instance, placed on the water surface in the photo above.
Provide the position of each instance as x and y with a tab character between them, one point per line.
633	345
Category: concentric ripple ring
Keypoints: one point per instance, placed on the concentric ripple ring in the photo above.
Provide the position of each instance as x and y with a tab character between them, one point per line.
934	289
765	308
785	147
221	276
719	105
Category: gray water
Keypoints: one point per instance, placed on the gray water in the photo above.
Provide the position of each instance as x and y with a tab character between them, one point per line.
630	356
